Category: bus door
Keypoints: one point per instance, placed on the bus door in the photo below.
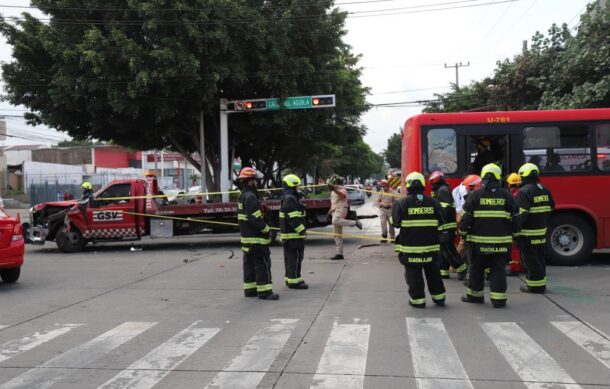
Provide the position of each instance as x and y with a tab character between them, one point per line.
481	145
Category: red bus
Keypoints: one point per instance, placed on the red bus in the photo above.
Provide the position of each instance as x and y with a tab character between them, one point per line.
571	148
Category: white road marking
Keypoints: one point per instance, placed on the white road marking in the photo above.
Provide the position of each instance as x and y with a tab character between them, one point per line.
154	366
435	361
534	365
585	337
250	366
13	348
63	365
343	361
2	326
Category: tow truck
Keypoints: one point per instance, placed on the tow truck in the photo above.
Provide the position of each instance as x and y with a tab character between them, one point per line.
128	210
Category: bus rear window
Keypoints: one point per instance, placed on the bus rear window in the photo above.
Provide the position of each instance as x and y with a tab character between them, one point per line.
558	149
442	150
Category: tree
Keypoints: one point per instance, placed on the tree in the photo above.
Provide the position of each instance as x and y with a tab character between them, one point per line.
358	161
393	152
138	73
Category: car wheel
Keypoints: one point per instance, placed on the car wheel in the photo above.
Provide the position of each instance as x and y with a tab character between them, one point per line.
70	242
10	276
570	240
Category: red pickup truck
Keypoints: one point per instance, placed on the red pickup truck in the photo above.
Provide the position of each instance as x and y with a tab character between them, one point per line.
127	210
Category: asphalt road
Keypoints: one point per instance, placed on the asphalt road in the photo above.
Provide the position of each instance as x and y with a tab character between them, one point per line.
173	315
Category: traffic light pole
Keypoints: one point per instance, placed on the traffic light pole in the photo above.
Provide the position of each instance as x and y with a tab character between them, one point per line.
251	105
224	150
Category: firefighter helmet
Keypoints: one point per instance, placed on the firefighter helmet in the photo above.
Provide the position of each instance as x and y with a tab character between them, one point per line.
529	169
513	179
292	181
414	179
472	181
86	185
247	173
493	170
436	177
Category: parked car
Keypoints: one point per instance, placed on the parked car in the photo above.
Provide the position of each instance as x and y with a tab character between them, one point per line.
11	247
354	195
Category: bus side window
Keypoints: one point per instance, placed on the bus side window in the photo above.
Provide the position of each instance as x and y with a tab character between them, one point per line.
442	150
558	149
603	147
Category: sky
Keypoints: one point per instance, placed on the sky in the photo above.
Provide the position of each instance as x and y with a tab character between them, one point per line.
404	47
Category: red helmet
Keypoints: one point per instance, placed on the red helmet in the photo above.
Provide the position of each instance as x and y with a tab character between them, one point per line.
472	181
247	173
436	177
384	183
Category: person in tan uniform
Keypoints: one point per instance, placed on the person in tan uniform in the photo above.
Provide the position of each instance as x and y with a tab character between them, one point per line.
338	209
385	203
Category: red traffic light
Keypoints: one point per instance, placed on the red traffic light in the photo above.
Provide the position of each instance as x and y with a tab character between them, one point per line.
248	105
323	101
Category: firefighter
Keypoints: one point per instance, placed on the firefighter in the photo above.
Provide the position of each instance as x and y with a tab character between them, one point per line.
385	201
489	222
535	205
418	217
515	266
292	231
255	239
338	209
87	190
448	255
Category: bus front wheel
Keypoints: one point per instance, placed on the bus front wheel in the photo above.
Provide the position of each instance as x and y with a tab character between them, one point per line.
570	240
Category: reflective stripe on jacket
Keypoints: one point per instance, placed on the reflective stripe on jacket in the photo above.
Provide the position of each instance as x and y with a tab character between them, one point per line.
292	217
535	204
252	226
490	219
419	218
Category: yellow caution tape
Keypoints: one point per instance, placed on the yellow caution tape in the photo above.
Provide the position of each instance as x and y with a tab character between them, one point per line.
191	219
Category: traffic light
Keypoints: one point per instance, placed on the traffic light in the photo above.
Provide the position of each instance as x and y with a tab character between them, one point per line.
322	101
248	105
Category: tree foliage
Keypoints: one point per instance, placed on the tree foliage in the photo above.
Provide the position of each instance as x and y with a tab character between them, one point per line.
357	161
559	71
138	73
393	151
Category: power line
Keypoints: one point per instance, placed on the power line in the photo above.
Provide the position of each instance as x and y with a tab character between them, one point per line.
353	14
486	36
519	20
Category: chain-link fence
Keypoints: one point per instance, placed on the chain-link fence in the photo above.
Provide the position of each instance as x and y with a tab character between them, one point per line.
49	191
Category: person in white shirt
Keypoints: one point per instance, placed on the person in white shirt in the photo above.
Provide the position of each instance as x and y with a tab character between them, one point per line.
338	210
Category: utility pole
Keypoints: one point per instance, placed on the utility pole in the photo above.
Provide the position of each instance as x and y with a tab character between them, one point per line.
457	66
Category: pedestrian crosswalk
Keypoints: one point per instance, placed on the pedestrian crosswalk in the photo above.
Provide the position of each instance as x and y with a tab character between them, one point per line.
340	362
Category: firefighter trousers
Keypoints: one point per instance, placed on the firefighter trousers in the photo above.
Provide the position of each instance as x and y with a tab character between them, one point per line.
497	278
449	256
257	270
416	284
535	267
294	251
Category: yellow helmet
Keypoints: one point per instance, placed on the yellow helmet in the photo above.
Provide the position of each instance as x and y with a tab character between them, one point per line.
513	179
292	181
528	169
86	185
414	178
493	169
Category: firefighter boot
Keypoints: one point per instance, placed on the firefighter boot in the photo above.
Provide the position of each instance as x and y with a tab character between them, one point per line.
270	296
300	285
527	289
474	300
